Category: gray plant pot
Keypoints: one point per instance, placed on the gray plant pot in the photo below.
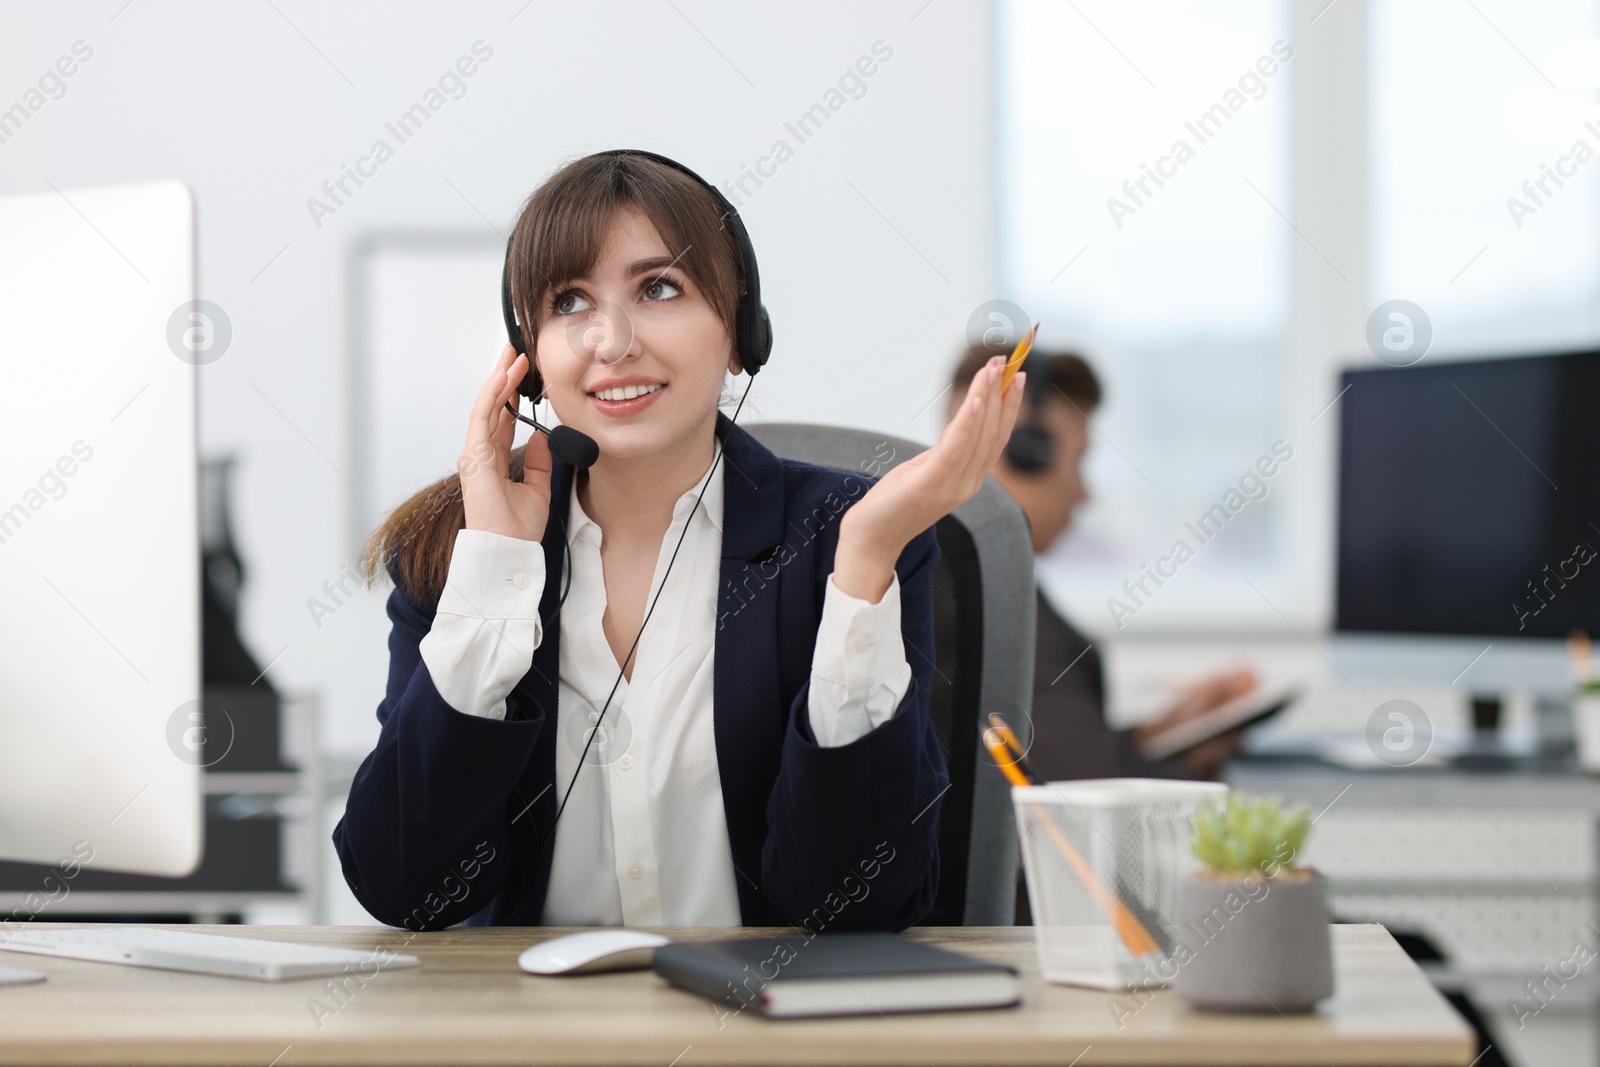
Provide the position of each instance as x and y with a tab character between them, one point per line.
1253	945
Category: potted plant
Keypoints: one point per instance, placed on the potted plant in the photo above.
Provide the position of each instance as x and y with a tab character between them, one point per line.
1256	925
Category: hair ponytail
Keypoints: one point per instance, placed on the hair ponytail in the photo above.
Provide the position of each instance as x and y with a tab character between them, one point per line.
415	542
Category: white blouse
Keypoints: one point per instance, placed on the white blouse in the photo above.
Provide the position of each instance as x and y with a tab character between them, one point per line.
643	840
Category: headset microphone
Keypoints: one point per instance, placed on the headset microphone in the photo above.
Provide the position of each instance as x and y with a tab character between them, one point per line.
574	446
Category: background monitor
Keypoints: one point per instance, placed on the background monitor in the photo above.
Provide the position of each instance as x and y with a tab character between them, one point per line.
99	532
1469	498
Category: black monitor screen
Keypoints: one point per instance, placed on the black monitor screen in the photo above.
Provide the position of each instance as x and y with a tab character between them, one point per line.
1469	497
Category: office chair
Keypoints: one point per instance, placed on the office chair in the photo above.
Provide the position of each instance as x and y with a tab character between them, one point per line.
983	592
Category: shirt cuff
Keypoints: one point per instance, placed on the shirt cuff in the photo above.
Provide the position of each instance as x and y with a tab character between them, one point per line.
486	627
859	672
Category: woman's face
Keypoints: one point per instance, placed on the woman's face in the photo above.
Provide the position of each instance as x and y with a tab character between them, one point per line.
633	355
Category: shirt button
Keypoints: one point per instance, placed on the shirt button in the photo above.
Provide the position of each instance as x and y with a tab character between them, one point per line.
520	581
635	872
626	763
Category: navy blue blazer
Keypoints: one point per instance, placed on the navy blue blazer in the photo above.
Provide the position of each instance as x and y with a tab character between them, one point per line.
447	814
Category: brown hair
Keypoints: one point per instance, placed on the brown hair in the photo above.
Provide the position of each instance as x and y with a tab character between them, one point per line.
558	237
1065	371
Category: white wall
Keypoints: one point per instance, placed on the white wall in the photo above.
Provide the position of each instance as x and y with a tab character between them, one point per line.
875	239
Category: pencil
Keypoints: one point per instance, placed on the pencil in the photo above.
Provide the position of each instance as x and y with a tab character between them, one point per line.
1003	759
997	722
1582	656
1018	354
1134	936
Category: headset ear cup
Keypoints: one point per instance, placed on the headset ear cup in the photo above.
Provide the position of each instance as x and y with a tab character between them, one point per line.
1030	449
754	340
761	344
532	385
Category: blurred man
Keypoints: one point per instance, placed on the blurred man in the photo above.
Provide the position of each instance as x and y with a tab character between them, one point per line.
1040	467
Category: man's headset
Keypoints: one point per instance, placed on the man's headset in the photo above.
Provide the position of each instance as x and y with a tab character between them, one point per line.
1031	449
753	342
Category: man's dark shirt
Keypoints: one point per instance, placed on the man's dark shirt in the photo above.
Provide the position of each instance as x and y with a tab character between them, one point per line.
1070	736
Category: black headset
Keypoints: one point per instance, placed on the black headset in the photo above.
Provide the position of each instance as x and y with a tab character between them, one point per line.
752	327
1031	449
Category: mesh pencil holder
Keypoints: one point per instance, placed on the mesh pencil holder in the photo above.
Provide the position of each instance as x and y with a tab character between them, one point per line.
1104	859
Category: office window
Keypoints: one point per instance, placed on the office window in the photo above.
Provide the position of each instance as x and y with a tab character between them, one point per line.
1143	189
1482	124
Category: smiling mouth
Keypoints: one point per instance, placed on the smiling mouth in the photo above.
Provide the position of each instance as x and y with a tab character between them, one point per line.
626	392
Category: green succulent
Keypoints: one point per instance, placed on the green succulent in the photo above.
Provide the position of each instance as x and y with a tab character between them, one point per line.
1250	833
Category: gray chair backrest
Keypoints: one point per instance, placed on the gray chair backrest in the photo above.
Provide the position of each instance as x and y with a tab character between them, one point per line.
987	550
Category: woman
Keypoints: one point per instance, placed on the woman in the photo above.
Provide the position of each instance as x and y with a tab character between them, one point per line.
761	752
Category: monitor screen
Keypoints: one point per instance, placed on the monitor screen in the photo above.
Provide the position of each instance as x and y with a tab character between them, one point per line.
1469	498
100	672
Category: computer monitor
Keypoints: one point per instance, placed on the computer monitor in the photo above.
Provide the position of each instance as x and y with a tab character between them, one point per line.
1469	498
99	531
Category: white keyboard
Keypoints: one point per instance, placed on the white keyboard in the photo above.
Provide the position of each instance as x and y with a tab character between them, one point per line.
180	950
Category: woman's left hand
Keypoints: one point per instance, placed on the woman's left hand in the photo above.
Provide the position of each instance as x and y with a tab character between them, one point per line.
927	487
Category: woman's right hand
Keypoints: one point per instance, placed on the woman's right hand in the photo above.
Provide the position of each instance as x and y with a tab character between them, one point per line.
490	499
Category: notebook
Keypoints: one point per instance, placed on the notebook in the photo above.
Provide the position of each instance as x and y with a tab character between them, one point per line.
1239	712
836	974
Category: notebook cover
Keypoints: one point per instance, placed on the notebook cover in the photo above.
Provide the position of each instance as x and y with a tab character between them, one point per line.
736	971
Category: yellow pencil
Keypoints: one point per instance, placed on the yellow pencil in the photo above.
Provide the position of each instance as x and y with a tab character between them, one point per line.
997	722
1018	354
1582	658
1123	920
1003	758
1013	747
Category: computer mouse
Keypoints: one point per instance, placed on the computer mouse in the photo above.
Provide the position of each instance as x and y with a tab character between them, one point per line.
591	951
18	976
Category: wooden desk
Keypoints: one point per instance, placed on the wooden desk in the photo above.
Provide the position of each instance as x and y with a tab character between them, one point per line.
469	1004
